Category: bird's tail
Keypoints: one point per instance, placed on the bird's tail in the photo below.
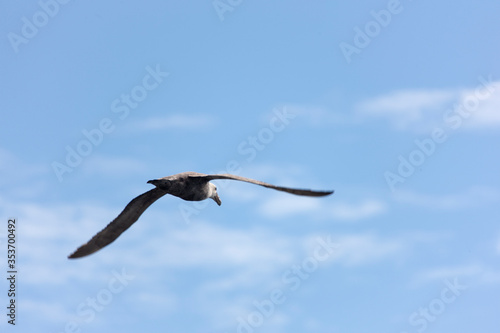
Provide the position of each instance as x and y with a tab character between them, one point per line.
161	183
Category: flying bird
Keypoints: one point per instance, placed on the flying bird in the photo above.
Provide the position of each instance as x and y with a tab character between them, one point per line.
190	186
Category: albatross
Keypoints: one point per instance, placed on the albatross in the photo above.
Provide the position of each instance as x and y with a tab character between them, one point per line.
190	186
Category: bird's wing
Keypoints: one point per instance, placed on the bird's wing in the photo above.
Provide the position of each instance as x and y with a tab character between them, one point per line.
296	191
114	229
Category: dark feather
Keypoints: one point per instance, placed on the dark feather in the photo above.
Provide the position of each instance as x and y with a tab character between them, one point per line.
295	191
127	217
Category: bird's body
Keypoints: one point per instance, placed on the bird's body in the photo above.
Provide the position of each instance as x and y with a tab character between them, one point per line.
190	186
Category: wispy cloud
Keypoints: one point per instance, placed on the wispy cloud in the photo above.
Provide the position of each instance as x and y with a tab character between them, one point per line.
407	108
365	209
45	309
441	273
175	121
477	273
232	260
54	230
206	244
365	248
487	114
472	197
418	110
22	179
164	301
282	206
425	109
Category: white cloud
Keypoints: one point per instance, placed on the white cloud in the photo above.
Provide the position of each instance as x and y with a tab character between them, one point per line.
477	274
175	121
447	272
426	109
487	112
56	230
404	108
367	248
282	206
162	254
46	309
365	209
419	110
204	244
472	197
364	248
164	301
48	233
491	276
22	179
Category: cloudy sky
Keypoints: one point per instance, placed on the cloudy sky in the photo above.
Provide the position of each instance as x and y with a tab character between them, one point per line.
393	104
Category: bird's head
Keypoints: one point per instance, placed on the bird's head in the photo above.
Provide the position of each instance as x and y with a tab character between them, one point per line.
212	193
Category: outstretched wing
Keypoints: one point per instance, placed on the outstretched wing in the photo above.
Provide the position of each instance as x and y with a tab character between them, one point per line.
114	229
296	191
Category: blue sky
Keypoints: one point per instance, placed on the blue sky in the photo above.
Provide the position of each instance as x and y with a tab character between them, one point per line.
394	104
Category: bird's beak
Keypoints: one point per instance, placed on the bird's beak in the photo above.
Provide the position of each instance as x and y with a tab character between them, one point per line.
217	199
